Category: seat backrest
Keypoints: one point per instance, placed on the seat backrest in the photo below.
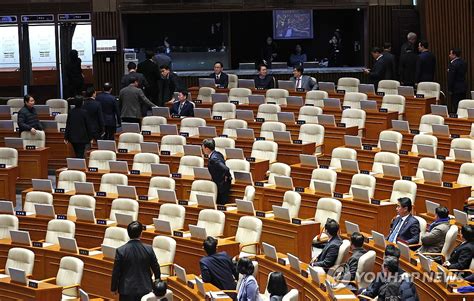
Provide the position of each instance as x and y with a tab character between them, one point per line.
268	127
130	141
15	104
364	182
70	273
424	139
353	99
20	258
204	187
292	295
240	94
354	117
143	161
174	214
101	158
230	126
466	174
8	156
429	164
165	249
315	98
278	169
249	193
222	143
450	241
152	123
205	94
58	227
277	96
312	133
57	106
324	175
343	252
224	109
67	178
187	164
463	105
109	182
348	84
342	153
394	103
124	206
389	87
61	120
268	111
80	201
292	201
429	89
160	183
427	120
38	139
115	237
249	231
391	136
365	265
327	208
384	158
7	222
173	143
309	114
213	221
233	81
461	143
423	224
237	165
191	125
36	197
265	150
403	188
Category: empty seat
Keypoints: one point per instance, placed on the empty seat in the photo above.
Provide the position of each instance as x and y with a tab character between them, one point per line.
124	206
461	144
269	112
278	169
354	117
248	235
237	165
67	178
203	187
213	221
187	164
22	259
38	139
160	183
61	120
466	175
277	96
310	133
268	127
403	188
394	103
130	142
292	201
80	201
348	84
15	104
7	222
426	140
249	193
233	81
115	237
342	153
463	106
427	121
315	98
265	150
69	276
429	164
222	143
165	249
143	162
205	94
109	182
391	136
100	159
384	158
429	89
240	94
353	99
327	208
309	114
57	106
190	125
224	110
152	123
174	214
389	87
323	175
362	181
57	228
173	144
37	197
8	156
230	126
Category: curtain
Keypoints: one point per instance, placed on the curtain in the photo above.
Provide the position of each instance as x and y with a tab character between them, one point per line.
25	57
66	32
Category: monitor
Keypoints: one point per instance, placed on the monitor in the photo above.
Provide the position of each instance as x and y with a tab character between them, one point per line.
292	24
106	45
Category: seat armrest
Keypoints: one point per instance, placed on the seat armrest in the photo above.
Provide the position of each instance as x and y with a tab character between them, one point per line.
49	280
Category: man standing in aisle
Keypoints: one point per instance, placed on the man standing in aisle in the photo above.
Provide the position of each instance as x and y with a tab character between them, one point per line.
457	86
219	171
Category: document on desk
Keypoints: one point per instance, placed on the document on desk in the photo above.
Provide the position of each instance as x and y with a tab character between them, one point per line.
47	244
344	297
93	253
218	295
4	276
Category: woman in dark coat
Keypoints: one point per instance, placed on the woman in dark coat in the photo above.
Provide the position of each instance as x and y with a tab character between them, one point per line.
77	131
74	76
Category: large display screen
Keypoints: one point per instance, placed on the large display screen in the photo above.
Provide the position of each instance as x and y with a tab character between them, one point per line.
43	45
292	24
82	42
9	47
106	45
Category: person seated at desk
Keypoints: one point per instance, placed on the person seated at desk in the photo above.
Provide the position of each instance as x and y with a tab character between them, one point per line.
248	286
433	240
329	254
217	268
298	58
405	227
27	116
159	293
276	286
263	80
182	107
221	78
395	286
462	255
302	81
357	243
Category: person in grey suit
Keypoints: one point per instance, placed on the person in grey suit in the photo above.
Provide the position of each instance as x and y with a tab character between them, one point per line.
433	240
131	98
303	81
328	255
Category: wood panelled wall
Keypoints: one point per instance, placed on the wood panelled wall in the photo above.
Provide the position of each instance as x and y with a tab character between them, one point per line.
449	24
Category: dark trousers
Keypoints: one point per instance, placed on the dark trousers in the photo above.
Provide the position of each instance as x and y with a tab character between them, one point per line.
130	297
132	120
110	132
455	99
79	149
223	191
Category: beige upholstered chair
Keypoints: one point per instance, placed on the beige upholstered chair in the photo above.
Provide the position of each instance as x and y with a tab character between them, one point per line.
38	139
429	164
7	222
427	121
391	136
15	104
213	221
394	103
309	114
233	81
384	158
143	162
231	126
449	244
160	183
80	201
20	258
115	237
152	123
190	125
265	150
36	197
70	274
205	94
466	175
363	181
57	106
424	139
403	188
389	87
224	109
365	265
316	97
324	175
328	208
61	120
109	182
240	94
248	235
57	228
348	84
277	96
67	178
187	164
341	153
463	144
353	99
312	133
278	169
463	105
268	127
173	143
354	117
204	187
429	89
174	214
100	159
292	201
222	143
249	193
269	112
165	250
237	165
124	206
8	156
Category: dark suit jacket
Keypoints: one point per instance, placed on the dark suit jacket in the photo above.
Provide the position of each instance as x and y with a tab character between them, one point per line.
152	73
187	109
462	255
328	256
223	81
353	261
407	68
410	230
110	109
379	71
96	119
391	65
134	263
142	83
425	67
457	76
219	270
77	126
167	87
220	175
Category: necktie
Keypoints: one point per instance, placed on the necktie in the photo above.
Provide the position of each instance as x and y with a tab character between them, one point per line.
179	109
297	83
395	231
217	77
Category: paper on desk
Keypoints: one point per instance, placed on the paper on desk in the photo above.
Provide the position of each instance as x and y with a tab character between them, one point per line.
47	244
218	295
230	208
346	195
344	297
150	227
307	222
269	215
109	222
186	234
93	253
3	276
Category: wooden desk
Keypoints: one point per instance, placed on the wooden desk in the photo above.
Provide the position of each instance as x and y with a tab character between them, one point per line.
33	164
182	291
14	291
8	178
61	151
460	126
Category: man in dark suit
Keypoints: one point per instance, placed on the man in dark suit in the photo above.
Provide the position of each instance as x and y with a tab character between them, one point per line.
219	171
379	71
131	100
410	43
168	83
462	255
132	73
110	111
328	255
301	81
426	64
407	67
390	61
405	227
457	86
217	268
134	262
182	107
94	111
220	77
357	244
152	73
77	128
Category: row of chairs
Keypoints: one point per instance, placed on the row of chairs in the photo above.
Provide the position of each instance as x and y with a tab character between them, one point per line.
56	106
